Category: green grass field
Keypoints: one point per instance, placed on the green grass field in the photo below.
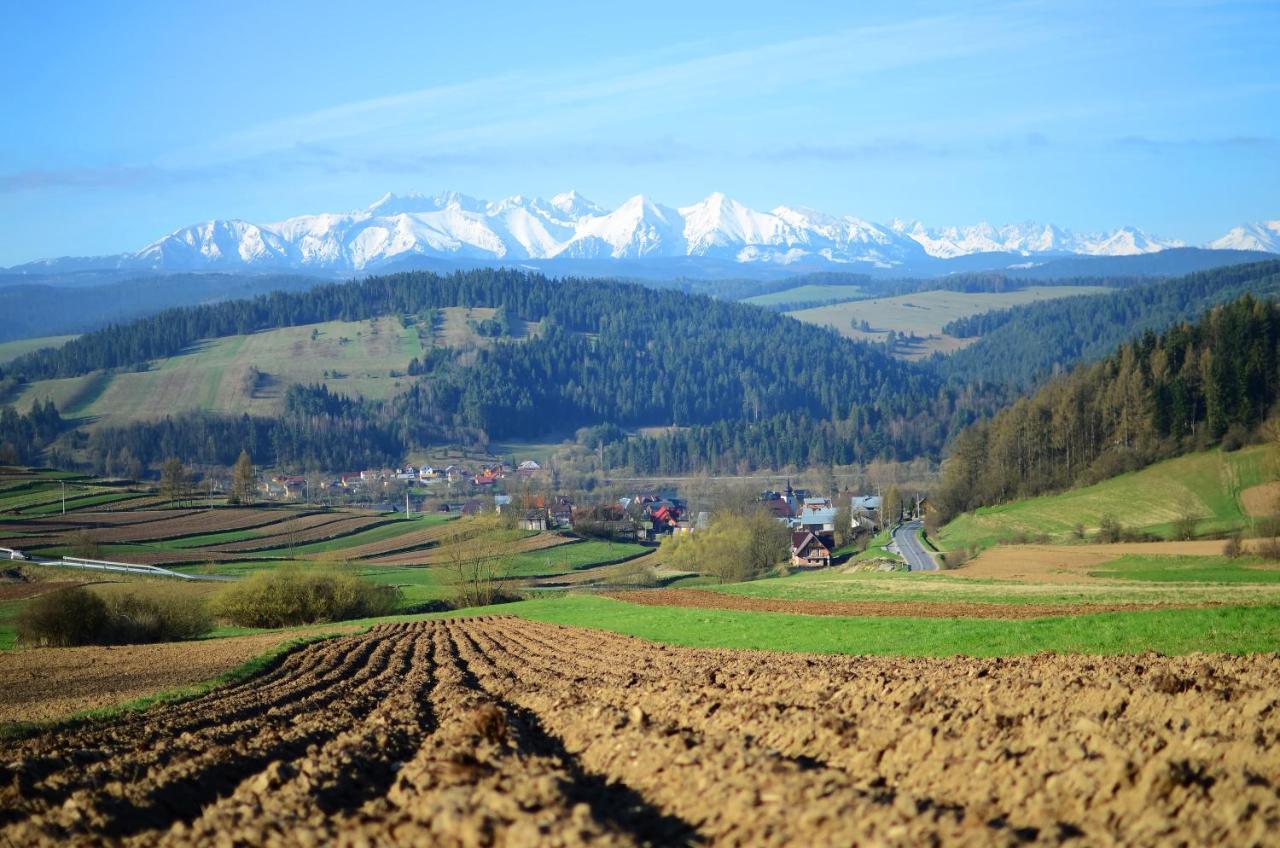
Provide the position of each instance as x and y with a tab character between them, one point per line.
925	313
1189	569
566	558
1138	580
806	294
10	351
1223	629
1149	500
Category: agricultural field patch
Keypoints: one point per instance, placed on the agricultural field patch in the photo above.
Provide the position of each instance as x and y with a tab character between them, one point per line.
806	294
925	313
10	351
532	733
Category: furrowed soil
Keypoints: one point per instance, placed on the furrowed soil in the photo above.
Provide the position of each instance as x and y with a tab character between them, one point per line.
504	731
45	683
878	609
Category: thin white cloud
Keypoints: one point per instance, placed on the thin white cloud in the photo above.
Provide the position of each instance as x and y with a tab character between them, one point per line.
521	106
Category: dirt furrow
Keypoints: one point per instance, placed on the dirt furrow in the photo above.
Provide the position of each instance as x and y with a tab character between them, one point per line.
496	730
318	796
490	773
1107	746
181	764
733	789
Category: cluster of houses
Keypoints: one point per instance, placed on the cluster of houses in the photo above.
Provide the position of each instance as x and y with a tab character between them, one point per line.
486	476
813	522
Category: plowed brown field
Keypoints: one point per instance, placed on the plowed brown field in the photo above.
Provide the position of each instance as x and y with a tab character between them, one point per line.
503	731
301	531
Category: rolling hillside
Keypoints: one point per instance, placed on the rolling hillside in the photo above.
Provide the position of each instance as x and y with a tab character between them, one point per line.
1214	485
249	372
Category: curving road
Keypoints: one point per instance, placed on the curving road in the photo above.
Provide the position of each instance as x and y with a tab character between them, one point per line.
906	537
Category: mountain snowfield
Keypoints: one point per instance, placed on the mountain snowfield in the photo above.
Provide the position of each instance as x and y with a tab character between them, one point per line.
1264	235
398	229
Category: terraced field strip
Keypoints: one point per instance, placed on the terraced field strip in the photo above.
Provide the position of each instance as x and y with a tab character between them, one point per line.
312	528
437	555
391	541
195	522
503	731
81	502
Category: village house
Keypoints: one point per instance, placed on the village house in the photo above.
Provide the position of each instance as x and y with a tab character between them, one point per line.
501	503
472	508
294	486
864	513
810	549
271	488
817	515
561	512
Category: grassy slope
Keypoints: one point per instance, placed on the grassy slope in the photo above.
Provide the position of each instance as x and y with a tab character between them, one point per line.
1149	500
212	375
10	351
805	294
925	313
1226	629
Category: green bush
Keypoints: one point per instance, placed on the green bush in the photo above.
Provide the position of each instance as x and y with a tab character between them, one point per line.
167	616
63	618
77	616
290	595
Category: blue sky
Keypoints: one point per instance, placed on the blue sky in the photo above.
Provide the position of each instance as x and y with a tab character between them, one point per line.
121	122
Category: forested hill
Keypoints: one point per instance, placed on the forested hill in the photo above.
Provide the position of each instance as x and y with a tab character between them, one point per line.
1194	386
605	353
1024	345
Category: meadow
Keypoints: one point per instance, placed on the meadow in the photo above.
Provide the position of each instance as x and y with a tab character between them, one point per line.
1209	485
809	293
926	313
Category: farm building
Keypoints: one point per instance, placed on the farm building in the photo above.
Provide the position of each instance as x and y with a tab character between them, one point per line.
534	519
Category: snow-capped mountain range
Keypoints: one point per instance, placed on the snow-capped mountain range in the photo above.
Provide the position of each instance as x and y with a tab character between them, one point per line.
399	229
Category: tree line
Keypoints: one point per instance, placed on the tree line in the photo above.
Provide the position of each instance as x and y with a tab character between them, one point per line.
1196	385
1025	345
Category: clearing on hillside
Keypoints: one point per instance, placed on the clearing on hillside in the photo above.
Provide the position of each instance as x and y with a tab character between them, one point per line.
497	730
925	313
246	373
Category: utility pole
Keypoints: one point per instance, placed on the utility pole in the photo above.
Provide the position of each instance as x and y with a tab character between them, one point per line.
64	496
406	501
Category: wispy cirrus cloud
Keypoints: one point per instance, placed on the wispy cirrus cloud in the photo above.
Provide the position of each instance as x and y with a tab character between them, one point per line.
597	100
1242	143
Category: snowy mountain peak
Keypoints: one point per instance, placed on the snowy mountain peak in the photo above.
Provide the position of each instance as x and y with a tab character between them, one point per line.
574	205
1262	235
455	227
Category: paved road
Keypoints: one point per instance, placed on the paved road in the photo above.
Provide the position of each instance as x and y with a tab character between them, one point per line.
908	542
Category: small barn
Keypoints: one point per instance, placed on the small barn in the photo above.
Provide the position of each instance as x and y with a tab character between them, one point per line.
534	519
